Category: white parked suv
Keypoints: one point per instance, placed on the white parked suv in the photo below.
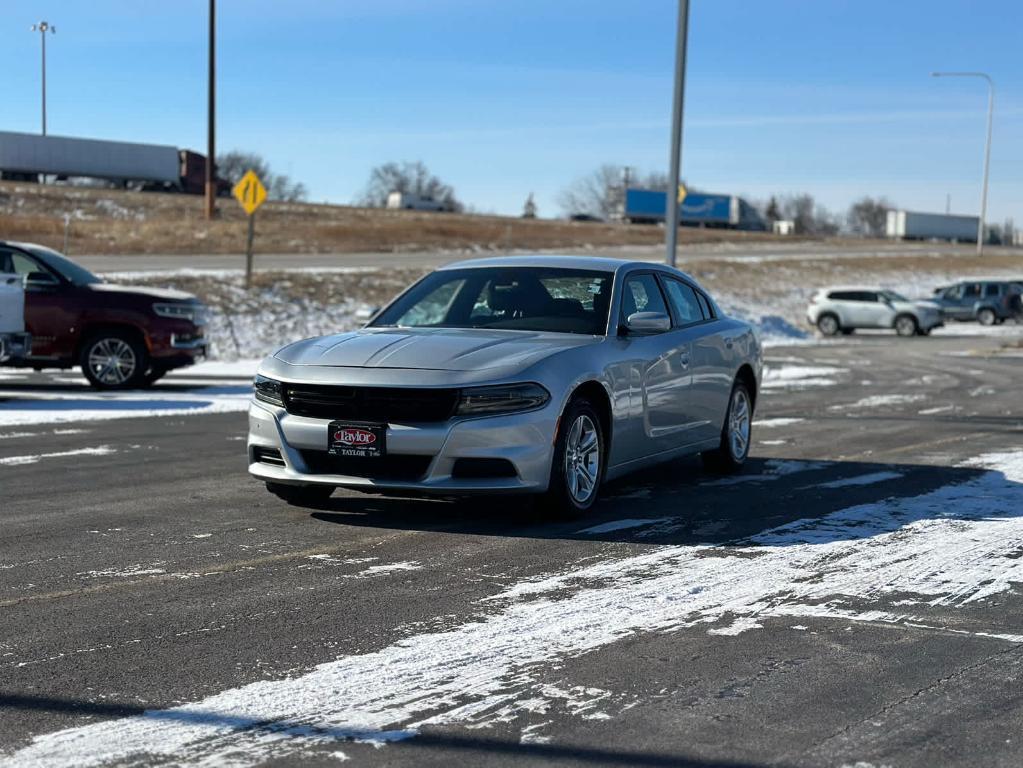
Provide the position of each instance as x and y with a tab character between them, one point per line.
846	309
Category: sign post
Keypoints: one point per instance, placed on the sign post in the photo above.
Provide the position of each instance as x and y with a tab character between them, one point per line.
251	194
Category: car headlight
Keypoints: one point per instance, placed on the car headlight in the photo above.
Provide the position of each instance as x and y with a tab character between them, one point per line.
196	313
505	398
269	390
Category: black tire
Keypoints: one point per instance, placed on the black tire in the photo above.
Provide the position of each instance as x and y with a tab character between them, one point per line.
986	316
114	360
906	326
153	375
566	496
828	324
730	456
301	495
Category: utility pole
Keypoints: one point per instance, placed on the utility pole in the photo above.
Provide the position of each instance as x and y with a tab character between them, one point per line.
674	171
42	28
981	225
211	118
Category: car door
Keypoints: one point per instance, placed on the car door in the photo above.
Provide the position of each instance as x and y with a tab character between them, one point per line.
51	309
661	372
711	366
872	311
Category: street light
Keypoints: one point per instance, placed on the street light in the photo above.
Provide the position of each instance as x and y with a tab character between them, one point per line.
42	28
674	171
987	147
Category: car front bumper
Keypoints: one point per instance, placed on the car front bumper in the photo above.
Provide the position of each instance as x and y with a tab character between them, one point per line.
525	440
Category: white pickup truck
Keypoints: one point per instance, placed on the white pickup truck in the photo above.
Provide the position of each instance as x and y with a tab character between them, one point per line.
14	342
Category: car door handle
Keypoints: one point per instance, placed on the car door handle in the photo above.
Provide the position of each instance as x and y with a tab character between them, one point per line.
729	342
684	359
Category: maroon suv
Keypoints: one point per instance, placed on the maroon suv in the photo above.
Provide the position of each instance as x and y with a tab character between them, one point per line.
121	336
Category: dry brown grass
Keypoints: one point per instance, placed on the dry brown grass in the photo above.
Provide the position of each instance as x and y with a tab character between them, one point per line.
118	222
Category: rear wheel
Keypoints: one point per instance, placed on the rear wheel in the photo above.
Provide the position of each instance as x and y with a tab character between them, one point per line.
986	316
114	360
577	468
735	435
301	495
906	325
828	324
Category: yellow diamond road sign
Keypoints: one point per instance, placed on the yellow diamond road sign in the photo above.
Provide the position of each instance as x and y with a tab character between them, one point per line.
682	192
250	192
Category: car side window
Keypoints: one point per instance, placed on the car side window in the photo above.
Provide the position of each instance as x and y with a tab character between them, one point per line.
642	294
841	296
991	290
31	270
684	303
6	267
972	291
705	306
868	296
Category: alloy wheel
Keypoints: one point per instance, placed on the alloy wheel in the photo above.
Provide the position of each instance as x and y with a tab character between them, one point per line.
582	459
739	424
112	361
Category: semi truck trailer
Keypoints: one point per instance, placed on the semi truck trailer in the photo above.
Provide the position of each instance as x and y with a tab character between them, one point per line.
27	156
697	209
910	225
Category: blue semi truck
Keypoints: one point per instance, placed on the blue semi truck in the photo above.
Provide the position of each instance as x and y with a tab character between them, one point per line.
698	209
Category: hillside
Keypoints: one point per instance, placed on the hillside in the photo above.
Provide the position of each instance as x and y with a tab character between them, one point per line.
104	221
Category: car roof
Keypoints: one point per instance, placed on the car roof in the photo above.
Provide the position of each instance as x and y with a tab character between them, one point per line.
852	288
557	261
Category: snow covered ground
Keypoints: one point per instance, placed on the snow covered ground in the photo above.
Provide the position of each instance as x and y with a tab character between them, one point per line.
884	562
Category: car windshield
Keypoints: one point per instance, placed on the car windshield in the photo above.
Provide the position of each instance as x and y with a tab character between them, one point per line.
509	298
63	266
893	296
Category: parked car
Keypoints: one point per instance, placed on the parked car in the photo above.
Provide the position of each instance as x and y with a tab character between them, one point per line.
986	301
847	309
528	374
121	336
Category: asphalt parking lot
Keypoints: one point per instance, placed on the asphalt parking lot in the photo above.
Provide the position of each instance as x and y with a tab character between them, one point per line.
852	599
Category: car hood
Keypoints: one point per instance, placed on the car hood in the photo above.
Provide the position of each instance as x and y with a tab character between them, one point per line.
165	294
434	349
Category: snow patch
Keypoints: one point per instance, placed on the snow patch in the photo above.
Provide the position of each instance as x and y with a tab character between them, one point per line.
621	525
17	461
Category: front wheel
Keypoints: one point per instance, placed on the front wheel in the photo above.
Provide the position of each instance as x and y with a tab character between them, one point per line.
114	360
735	435
577	467
906	325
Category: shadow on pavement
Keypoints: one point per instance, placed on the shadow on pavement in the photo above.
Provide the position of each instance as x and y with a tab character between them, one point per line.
678	504
481	748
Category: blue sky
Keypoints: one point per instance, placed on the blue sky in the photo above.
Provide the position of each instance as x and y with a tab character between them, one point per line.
831	97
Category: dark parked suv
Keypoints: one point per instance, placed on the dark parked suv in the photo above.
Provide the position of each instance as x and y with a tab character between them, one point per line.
121	336
987	301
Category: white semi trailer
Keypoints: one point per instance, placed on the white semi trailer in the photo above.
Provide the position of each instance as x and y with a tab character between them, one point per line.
910	225
14	342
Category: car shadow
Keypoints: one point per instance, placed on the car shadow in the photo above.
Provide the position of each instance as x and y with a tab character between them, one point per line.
679	504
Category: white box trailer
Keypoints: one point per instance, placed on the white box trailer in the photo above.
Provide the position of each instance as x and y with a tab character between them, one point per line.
910	225
408	201
24	154
14	342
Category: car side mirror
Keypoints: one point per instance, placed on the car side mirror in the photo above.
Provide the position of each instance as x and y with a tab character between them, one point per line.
646	323
40	281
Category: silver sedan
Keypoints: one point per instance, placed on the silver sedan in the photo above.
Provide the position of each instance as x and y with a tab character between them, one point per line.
527	374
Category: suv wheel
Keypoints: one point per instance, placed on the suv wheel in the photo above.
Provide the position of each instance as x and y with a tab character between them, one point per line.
736	434
906	325
577	468
986	316
114	360
828	324
301	495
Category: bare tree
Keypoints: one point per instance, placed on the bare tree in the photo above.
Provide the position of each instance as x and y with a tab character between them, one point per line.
408	178
772	213
809	218
233	165
869	216
601	193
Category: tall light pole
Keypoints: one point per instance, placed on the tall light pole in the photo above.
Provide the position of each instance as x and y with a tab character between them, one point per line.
211	114
981	226
42	28
674	171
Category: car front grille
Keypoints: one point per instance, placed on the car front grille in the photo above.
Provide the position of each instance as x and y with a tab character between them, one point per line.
404	467
380	404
